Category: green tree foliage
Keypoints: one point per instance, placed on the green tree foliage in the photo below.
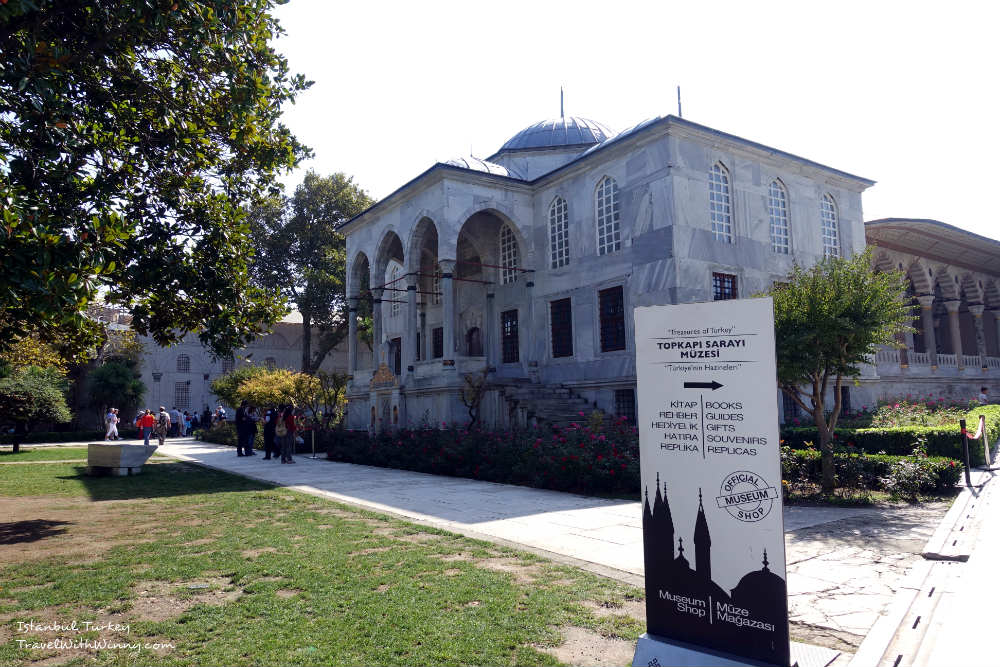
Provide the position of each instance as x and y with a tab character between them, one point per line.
116	384
227	387
34	394
134	135
827	319
301	254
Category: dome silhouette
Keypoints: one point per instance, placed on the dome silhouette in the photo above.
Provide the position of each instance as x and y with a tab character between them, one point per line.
567	131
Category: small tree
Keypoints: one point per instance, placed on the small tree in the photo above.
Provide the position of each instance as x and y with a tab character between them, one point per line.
115	384
227	387
473	392
278	387
34	394
827	319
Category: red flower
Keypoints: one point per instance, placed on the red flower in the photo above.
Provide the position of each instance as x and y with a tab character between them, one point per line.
600	458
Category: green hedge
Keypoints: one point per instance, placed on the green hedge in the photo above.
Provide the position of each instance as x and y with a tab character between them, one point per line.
941	440
868	471
127	432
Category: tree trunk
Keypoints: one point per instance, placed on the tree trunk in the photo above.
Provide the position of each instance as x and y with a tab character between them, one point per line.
306	342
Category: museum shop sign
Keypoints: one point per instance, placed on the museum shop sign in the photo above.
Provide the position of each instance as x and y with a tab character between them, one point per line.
711	483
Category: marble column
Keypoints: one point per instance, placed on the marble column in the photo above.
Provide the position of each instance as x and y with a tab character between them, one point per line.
927	322
376	328
425	346
488	333
955	328
448	308
996	321
977	321
410	336
352	335
529	344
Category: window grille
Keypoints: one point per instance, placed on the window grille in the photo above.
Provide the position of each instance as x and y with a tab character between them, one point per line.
559	233
228	365
609	236
183	363
777	209
394	306
724	287
510	347
271	363
508	256
436	286
625	404
562	328
829	227
182	395
611	303
437	342
720	210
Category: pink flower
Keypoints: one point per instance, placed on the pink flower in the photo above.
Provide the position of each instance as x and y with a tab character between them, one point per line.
580	413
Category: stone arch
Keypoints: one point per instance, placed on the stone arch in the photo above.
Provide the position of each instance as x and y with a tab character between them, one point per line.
970	289
991	293
883	262
448	242
390	247
480	235
948	282
422	244
919	277
359	275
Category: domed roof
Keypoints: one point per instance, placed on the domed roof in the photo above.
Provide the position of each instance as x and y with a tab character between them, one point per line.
568	131
475	164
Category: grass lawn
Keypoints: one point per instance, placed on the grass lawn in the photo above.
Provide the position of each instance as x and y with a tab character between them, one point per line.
222	570
29	453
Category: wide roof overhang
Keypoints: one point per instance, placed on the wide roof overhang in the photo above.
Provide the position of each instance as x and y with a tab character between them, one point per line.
936	241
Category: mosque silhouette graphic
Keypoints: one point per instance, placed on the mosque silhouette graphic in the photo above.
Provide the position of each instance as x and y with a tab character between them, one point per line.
685	604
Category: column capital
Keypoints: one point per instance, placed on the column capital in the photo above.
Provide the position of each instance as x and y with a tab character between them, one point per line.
977	309
447	265
952	306
926	301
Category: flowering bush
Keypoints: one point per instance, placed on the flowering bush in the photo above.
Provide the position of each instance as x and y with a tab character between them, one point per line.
909	410
591	457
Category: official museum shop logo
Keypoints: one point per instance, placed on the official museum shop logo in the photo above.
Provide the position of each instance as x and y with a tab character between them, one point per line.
746	496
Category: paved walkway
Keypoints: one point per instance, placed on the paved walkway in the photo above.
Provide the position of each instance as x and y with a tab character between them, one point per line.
844	564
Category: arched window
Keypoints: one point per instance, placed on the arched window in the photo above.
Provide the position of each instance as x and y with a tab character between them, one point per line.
271	363
777	210
183	363
394	285
508	256
559	232
720	210
829	227
609	233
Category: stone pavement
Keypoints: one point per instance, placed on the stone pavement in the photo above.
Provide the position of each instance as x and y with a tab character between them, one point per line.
844	564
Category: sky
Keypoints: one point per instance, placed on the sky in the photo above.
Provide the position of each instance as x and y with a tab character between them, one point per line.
905	94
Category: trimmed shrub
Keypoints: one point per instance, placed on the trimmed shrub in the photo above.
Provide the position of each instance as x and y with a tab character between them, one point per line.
875	472
225	434
941	440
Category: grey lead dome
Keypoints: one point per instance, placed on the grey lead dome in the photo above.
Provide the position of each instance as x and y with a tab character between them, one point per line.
568	131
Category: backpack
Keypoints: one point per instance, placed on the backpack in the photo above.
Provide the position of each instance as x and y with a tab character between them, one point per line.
280	429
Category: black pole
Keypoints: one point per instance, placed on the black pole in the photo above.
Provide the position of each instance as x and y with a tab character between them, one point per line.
965	447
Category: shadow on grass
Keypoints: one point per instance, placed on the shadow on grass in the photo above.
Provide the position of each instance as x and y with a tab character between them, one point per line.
20	532
158	480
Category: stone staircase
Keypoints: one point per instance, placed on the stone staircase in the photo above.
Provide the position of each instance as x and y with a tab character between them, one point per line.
547	405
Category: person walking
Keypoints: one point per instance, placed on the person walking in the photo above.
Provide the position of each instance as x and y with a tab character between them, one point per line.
146	423
175	422
206	418
285	430
240	421
162	425
270	420
251	431
112	420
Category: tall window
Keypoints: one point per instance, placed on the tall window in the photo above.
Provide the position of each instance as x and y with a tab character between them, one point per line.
394	306
777	210
609	233
270	363
508	256
183	363
559	233
720	210
611	303
437	342
828	227
625	404
509	343
724	287
562	327
182	395
228	365
436	286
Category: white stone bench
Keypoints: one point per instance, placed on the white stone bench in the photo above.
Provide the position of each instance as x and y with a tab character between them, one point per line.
117	460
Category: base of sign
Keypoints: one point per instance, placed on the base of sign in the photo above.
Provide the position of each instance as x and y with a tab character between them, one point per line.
654	651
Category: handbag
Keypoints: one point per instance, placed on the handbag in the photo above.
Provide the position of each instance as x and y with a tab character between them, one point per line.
280	429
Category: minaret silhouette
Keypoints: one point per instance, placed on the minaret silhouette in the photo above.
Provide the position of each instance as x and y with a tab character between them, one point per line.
702	543
663	521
